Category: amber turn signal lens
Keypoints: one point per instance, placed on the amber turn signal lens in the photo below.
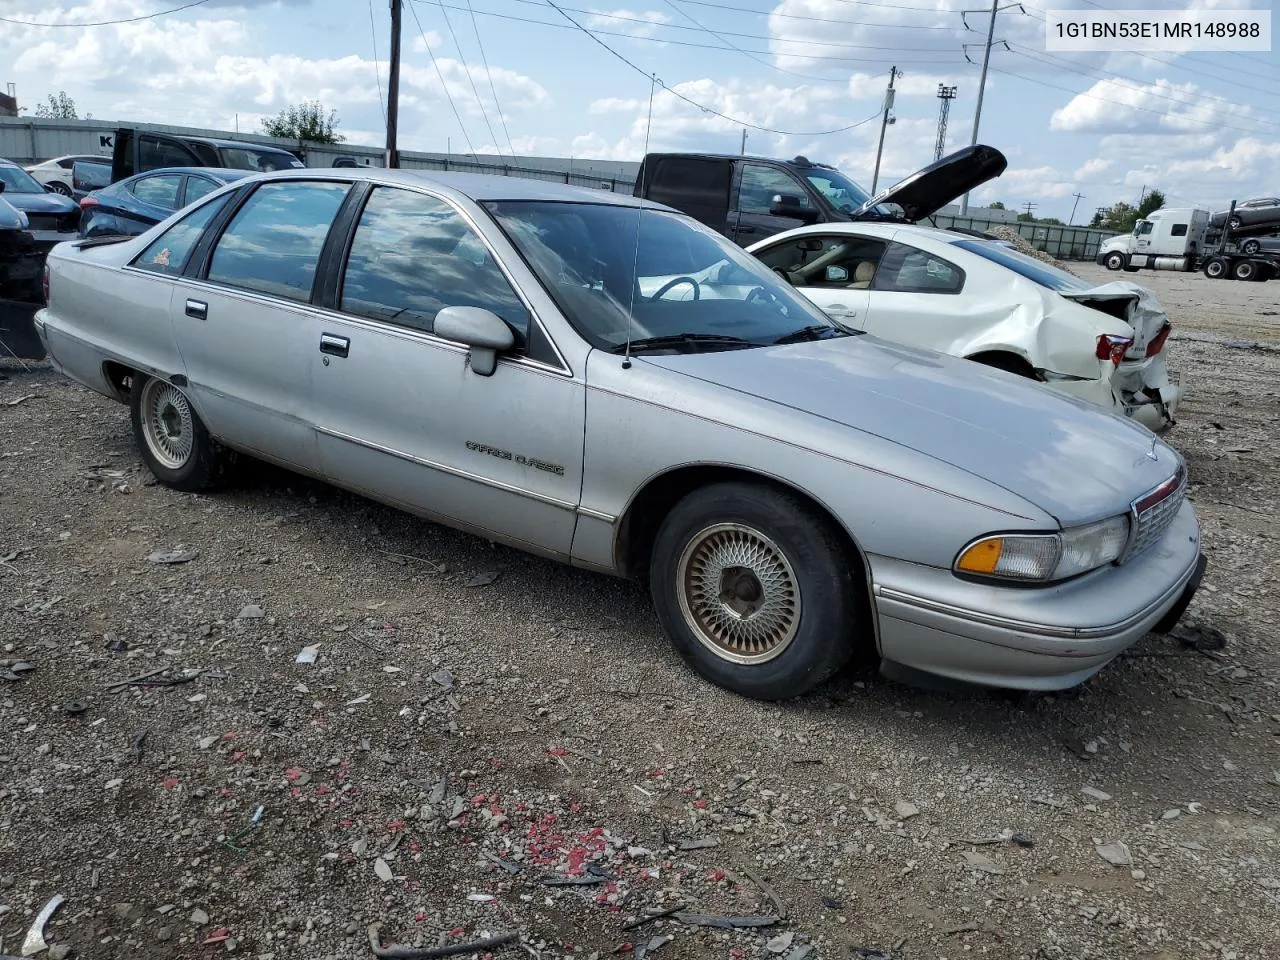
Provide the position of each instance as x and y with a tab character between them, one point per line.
982	557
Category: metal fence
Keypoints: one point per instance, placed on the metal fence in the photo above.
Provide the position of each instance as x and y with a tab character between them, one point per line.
1065	243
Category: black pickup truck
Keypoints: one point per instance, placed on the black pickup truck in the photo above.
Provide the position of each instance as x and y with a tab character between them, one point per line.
136	151
751	198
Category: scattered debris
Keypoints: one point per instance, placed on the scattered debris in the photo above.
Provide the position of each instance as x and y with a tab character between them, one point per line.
114	643
178	554
232	840
383	870
250	611
199	917
308	654
1115	853
75	707
781	943
768	891
959	928
1095	794
507	865
906	810
138	744
35	941
1199	637
723	922
651	917
981	863
444	678
586	880
700	843
482	579
432	953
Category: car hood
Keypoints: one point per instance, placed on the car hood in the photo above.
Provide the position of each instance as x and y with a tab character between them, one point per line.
927	191
1073	460
40	202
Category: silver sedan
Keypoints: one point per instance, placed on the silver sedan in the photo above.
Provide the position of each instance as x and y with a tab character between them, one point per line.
610	384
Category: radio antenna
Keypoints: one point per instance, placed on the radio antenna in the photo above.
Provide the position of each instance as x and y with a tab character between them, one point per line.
635	259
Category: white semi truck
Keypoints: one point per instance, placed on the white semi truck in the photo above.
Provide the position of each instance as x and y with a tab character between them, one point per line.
1176	238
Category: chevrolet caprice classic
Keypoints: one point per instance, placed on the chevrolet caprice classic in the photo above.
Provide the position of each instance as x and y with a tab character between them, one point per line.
604	381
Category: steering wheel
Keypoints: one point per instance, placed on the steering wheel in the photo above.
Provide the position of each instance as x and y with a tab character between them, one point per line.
757	293
697	288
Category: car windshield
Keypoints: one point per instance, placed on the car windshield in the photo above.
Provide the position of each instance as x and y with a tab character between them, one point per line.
682	286
17	180
262	161
841	192
1034	270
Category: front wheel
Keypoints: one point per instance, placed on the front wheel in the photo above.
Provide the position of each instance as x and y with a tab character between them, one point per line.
1114	261
756	590
173	441
60	188
1215	268
1250	247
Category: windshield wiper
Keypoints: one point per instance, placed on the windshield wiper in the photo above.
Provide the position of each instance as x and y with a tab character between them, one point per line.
685	340
819	331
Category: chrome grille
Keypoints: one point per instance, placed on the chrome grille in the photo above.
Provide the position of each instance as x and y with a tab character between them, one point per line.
1151	514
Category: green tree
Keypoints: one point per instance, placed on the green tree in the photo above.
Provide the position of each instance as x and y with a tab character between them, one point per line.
58	107
1025	217
304	121
1050	221
1120	217
1097	219
995	205
1152	202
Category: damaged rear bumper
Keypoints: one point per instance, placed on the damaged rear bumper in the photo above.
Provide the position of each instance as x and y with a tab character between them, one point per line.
1141	390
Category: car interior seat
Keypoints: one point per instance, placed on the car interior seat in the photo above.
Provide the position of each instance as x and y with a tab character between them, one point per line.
863	274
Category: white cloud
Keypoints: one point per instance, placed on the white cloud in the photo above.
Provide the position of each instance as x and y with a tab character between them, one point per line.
1111	106
642	24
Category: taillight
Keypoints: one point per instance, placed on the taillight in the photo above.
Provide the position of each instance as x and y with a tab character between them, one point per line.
1113	348
87	202
44	283
1157	344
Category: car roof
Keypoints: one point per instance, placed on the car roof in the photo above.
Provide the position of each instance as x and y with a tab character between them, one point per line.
230	173
241	144
473	186
874	228
750	158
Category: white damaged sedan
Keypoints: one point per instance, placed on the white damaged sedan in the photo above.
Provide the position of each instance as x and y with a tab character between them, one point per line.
987	302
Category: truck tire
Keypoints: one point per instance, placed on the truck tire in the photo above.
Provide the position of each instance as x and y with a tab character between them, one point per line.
1244	270
1215	268
1251	246
1115	261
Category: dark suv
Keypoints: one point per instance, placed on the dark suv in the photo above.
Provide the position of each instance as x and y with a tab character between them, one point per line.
750	198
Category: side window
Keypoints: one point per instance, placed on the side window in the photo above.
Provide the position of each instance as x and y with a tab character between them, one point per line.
169	252
412	255
1145	227
273	242
198	187
155	152
1179	230
838	262
161	191
909	270
760	184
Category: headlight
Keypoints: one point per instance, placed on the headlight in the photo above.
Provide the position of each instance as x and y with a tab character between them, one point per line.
23	222
1045	557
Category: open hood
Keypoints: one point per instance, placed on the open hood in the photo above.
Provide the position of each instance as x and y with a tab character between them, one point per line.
927	191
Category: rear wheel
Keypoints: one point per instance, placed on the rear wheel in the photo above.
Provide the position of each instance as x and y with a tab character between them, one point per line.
1245	270
172	439
1215	268
756	591
1114	261
1008	362
60	188
1250	247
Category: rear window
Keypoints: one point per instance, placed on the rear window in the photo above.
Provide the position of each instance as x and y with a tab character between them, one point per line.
1034	270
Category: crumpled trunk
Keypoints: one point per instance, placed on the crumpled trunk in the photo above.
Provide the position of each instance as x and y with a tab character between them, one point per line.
1127	301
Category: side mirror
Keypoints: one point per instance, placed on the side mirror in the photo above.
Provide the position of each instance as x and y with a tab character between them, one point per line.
837	274
787	205
486	333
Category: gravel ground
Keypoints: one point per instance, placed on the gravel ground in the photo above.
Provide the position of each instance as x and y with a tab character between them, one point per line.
478	722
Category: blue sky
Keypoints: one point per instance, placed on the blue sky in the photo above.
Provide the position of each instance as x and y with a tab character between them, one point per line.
1204	127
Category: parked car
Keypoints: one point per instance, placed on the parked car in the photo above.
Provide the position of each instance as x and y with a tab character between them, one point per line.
989	303
46	211
511	357
20	258
1256	245
131	206
1259	214
137	151
88	176
56	173
751	198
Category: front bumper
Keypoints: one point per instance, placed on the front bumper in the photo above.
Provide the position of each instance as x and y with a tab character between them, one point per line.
1034	638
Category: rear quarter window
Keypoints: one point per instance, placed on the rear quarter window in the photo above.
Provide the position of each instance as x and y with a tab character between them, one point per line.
1034	270
169	252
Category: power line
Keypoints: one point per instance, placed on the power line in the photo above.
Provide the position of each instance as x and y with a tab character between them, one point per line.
747	53
470	78
413	8
373	30
108	23
705	109
847	23
488	73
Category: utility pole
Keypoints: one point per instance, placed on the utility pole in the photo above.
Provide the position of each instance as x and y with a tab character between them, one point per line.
1030	206
982	88
946	95
744	141
884	122
1143	195
393	87
1072	219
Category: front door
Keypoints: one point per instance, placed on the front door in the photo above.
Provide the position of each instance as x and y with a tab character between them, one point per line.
751	220
834	270
243	326
398	411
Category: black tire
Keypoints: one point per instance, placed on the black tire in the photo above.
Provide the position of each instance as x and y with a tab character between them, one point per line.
156	405
1115	261
1250	247
60	188
1245	270
1215	268
807	627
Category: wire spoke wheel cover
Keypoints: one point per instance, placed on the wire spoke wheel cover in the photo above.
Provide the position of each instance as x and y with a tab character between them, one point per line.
167	424
738	593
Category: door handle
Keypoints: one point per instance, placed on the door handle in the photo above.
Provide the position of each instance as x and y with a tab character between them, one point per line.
840	310
334	346
742	228
198	309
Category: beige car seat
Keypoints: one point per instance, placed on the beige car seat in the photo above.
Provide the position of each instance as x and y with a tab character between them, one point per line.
863	274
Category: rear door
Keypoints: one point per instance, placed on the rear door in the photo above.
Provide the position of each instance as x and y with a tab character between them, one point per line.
698	186
751	220
834	270
244	324
147	201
